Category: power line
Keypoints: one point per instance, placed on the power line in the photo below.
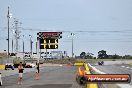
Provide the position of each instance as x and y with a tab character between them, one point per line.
96	41
80	31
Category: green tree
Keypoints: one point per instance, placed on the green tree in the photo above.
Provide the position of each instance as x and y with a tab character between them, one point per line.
116	56
127	57
89	56
102	54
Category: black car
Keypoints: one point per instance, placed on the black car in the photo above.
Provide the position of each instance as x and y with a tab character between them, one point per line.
9	66
101	63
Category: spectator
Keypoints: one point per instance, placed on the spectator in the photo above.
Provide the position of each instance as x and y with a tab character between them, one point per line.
37	75
20	70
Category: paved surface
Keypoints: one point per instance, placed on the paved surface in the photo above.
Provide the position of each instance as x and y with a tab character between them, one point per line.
15	71
116	69
117	62
51	77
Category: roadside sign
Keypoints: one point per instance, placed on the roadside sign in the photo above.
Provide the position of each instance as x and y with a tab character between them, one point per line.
49	40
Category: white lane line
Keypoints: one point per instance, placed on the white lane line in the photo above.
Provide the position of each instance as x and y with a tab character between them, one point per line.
122	66
60	65
127	67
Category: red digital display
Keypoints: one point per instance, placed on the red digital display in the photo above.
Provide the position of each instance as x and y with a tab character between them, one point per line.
50	34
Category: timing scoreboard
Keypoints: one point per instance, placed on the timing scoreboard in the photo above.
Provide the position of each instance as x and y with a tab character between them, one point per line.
49	43
49	40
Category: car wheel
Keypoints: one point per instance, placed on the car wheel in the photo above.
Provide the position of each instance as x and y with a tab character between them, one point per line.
82	80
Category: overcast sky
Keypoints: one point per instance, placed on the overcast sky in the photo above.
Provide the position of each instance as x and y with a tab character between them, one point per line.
97	24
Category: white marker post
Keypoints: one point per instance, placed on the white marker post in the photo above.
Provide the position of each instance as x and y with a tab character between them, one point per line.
0	80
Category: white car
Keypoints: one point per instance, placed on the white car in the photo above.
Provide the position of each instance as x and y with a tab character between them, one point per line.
30	65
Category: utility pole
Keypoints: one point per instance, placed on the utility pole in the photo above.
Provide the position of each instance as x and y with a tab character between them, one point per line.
17	35
31	47
12	46
72	38
72	35
46	53
36	47
72	48
8	17
23	49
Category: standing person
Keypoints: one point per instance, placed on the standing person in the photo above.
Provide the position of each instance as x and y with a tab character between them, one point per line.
20	70
37	75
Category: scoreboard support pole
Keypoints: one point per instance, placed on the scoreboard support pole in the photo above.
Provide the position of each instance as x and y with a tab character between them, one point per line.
46	53
40	52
